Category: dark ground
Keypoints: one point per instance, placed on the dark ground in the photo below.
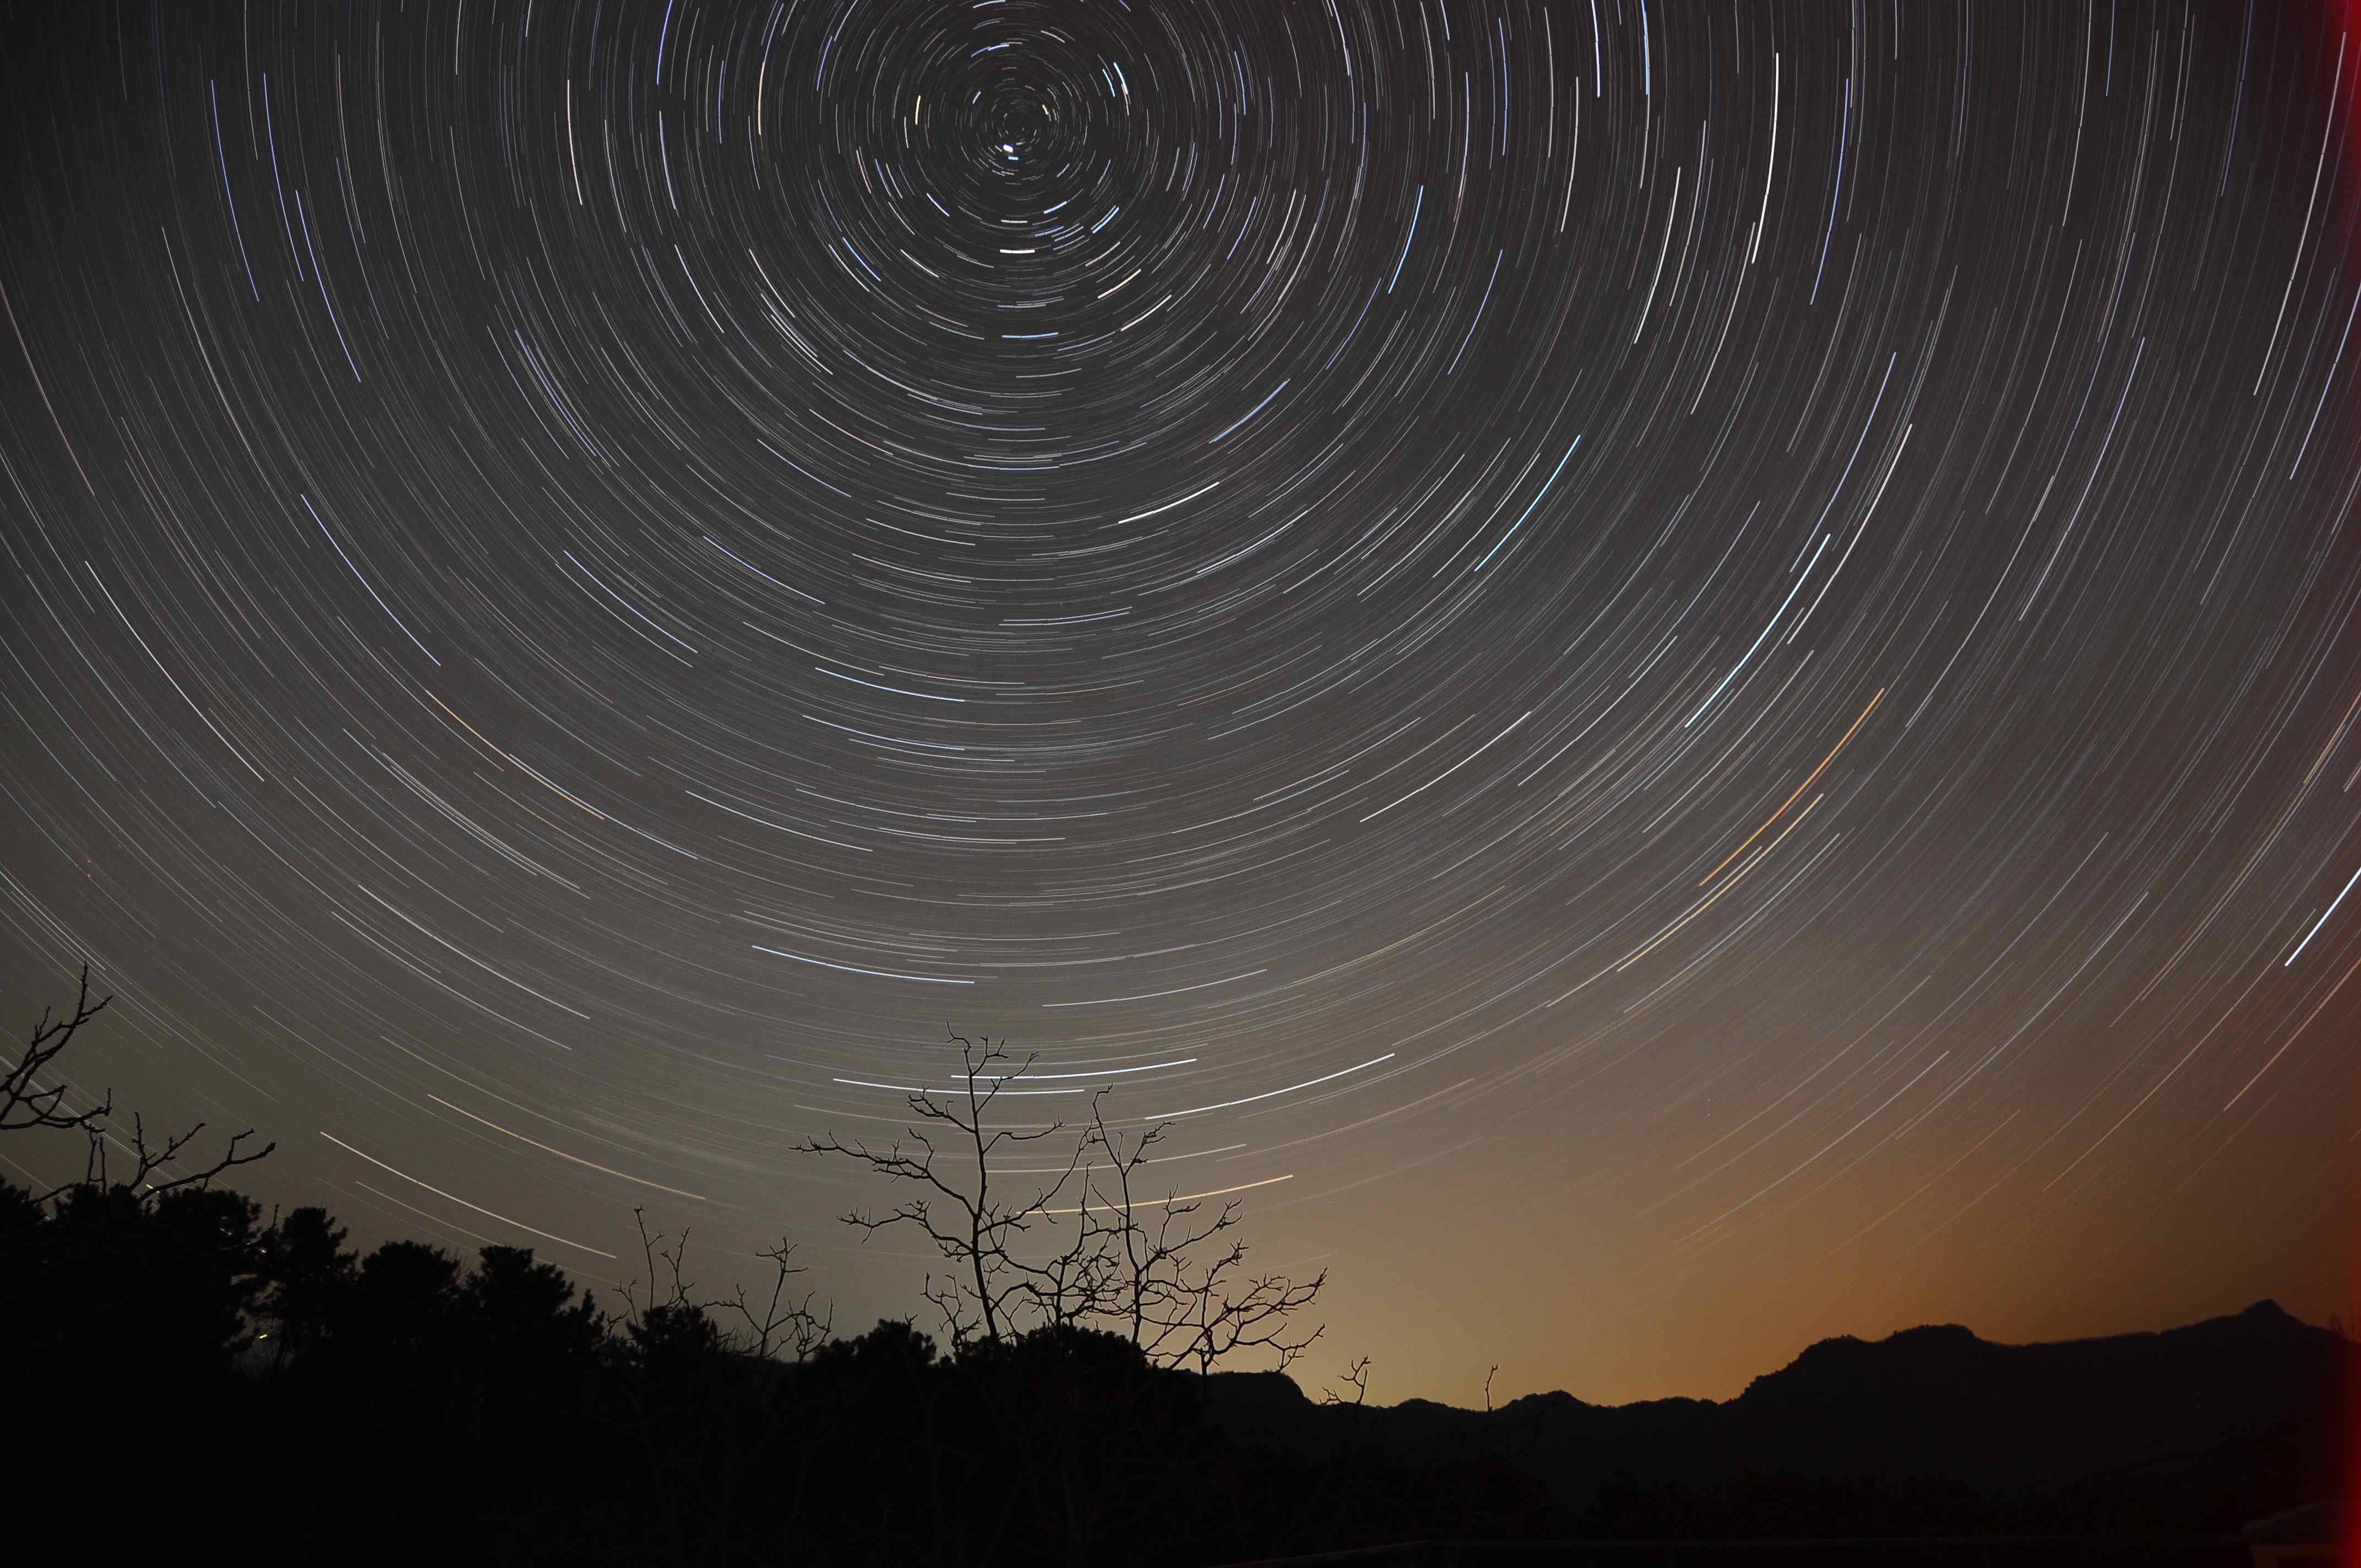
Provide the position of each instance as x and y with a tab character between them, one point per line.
407	1406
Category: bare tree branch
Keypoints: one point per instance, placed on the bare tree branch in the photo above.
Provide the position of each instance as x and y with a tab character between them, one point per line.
24	1102
783	1325
230	1160
975	1230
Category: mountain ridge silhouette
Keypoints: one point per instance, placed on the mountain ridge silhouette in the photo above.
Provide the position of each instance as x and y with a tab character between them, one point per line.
2195	1428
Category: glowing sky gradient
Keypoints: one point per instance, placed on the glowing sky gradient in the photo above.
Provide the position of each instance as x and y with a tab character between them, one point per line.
1681	678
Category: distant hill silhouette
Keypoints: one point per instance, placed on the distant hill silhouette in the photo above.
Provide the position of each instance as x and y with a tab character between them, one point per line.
2197	1428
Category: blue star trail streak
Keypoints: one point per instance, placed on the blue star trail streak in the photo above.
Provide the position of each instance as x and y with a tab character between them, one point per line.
1683	675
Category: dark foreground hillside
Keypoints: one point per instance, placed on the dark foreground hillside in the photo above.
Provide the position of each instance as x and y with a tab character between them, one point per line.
186	1381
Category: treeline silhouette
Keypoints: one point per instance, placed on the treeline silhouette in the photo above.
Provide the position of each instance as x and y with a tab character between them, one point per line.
190	1368
189	1373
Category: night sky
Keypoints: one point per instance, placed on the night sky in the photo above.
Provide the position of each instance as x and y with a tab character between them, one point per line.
1677	677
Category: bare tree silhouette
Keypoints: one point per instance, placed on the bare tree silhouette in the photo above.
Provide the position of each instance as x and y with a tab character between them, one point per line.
671	1314
785	1325
1182	1293
972	1226
1175	1284
33	1097
24	1101
1356	1377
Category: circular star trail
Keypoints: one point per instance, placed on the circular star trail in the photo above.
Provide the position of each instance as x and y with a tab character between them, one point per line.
1674	676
